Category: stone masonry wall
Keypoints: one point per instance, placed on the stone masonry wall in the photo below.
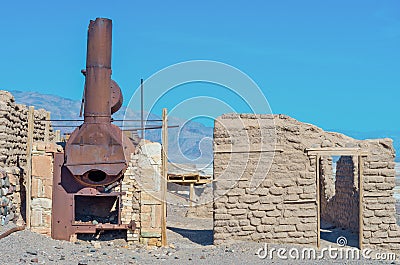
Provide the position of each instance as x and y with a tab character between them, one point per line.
264	192
141	203
14	130
10	196
342	208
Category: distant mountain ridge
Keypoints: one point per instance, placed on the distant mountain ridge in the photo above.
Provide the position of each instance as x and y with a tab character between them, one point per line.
195	138
191	142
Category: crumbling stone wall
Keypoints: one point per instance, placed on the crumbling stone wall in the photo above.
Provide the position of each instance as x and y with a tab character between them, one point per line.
10	196
14	130
13	150
340	207
141	203
277	202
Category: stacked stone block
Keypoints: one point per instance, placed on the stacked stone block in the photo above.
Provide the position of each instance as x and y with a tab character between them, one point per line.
13	150
13	130
380	226
340	199
265	183
10	197
141	203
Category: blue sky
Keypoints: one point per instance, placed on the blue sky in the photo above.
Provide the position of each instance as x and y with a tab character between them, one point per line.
335	64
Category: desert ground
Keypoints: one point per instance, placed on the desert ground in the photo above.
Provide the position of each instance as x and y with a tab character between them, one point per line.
189	242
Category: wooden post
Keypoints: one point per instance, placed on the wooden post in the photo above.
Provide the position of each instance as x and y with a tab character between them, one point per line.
164	154
318	203
47	128
191	192
58	136
360	202
29	143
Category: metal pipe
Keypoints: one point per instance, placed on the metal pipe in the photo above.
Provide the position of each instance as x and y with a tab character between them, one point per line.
98	72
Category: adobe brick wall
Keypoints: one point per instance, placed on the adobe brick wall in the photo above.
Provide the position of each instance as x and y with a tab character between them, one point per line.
283	209
342	206
13	130
13	138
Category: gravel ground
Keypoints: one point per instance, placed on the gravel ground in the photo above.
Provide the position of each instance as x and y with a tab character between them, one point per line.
190	242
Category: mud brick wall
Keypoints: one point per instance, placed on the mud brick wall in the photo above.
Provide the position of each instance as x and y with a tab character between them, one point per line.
13	149
340	207
13	130
380	228
268	193
141	203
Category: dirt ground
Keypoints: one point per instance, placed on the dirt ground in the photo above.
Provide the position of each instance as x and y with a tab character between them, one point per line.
190	242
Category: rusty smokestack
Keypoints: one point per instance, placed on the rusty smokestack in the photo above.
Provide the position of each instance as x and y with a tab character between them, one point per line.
98	72
96	151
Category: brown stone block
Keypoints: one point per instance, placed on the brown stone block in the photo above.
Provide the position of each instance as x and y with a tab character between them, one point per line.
42	230
42	166
36	187
52	147
285	228
36	218
47	219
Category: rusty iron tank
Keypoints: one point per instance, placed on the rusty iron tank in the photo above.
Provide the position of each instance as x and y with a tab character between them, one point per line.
97	152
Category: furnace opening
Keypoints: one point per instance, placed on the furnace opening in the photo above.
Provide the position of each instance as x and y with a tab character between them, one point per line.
97	175
96	209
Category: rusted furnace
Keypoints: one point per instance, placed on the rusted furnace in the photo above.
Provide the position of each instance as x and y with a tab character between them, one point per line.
97	152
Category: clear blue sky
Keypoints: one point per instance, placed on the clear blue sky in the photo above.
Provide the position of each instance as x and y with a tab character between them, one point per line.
335	64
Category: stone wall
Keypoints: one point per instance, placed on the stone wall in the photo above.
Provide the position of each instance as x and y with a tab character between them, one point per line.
14	130
342	206
10	196
265	182
141	202
13	150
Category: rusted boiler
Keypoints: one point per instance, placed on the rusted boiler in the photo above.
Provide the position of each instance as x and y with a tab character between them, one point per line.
97	152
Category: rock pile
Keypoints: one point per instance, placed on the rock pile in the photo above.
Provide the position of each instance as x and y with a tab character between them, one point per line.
10	199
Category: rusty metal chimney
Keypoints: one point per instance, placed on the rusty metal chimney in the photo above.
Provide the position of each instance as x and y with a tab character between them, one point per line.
96	152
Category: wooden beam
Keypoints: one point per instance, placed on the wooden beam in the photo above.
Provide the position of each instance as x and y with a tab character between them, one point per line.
336	151
360	202
29	143
58	136
47	127
191	191
164	154
317	158
247	151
